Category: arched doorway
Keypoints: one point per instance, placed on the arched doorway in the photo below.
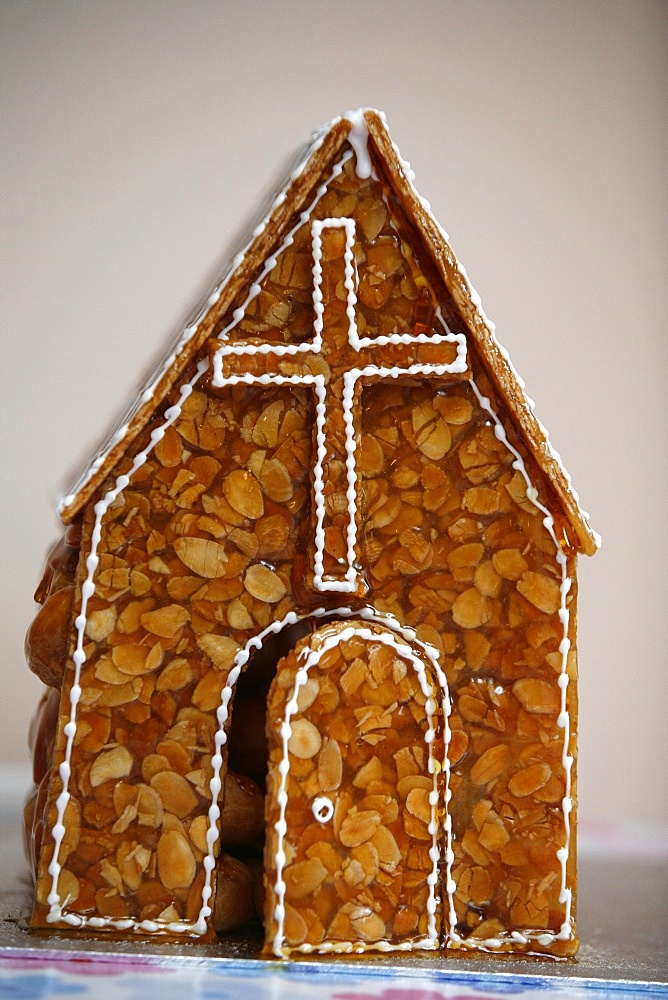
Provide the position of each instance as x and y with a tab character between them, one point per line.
354	803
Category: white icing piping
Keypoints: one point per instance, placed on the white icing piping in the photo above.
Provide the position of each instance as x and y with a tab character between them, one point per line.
563	720
285	350
358	137
357	948
56	905
292	708
350	275
351	582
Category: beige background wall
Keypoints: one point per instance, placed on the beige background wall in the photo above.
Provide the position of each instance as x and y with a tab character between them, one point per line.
138	136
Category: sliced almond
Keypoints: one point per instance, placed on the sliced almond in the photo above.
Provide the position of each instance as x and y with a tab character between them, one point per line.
166	622
470	609
541	590
330	765
304	878
111	765
175	792
243	493
264	584
176	862
203	556
538	696
358	827
490	765
304	742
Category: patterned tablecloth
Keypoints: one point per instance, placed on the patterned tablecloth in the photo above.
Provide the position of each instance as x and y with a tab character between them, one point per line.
623	921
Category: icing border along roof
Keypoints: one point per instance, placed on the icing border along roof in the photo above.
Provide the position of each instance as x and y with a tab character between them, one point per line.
360	129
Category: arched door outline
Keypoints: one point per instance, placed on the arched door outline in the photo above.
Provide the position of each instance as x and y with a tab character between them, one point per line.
365	614
313	658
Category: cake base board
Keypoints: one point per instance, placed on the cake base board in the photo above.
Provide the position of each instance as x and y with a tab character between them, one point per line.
623	922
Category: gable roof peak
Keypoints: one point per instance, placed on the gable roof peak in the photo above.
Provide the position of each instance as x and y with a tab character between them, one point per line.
366	132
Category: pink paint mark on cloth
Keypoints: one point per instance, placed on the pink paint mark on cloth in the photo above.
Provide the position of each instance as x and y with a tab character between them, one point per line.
409	993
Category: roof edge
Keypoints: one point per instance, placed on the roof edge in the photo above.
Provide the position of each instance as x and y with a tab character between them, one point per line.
323	147
493	355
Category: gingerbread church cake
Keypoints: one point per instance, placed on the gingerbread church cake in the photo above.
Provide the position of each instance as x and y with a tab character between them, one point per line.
308	639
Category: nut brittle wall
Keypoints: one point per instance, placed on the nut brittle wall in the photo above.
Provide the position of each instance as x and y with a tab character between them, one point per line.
203	539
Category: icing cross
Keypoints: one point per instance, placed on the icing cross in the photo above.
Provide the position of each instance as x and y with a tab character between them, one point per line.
335	363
